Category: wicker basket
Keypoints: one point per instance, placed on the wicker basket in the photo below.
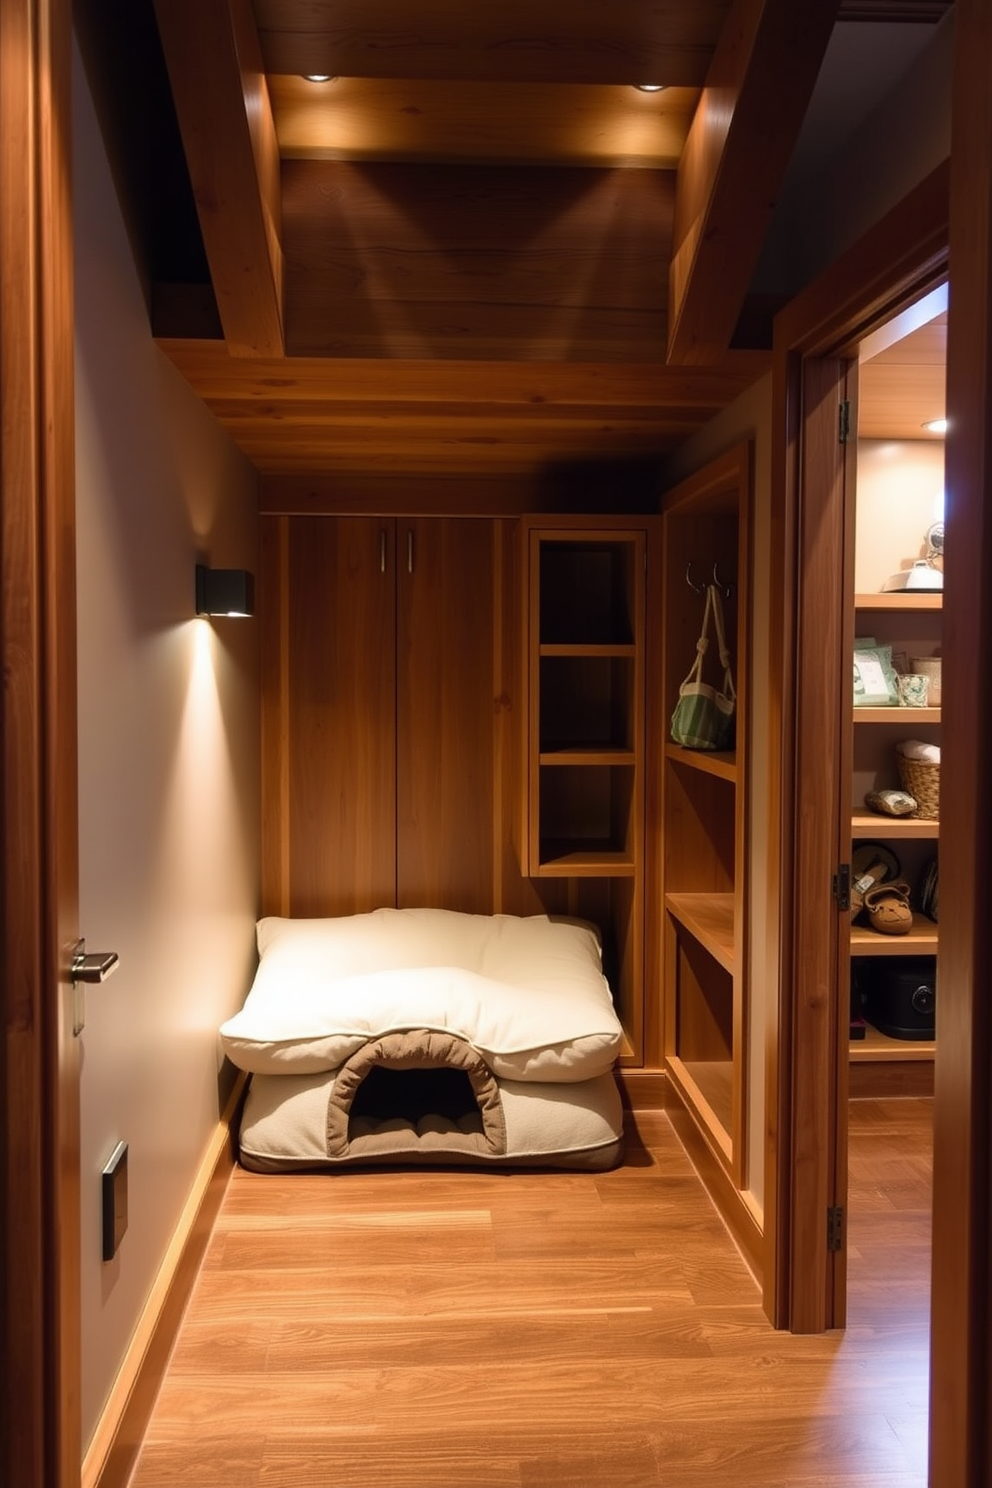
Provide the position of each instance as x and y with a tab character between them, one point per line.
922	780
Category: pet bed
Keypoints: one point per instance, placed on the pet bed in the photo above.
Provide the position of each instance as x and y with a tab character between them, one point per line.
427	1036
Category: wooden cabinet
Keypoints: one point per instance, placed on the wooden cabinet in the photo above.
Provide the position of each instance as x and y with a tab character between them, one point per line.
704	814
582	803
911	624
377	713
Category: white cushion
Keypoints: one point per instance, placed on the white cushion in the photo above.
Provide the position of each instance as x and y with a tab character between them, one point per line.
528	993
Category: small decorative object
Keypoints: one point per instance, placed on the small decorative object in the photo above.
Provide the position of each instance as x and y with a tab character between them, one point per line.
925	573
929	667
874	677
891	802
913	690
704	716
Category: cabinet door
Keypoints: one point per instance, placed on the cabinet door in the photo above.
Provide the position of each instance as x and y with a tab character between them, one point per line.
339	681
445	708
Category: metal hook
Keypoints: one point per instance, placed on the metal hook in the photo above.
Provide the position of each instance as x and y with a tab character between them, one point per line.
726	589
696	588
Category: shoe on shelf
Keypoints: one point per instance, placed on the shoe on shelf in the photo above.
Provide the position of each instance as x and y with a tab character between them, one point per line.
888	910
871	863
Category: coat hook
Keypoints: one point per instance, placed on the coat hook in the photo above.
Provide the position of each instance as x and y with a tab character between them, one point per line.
696	588
726	589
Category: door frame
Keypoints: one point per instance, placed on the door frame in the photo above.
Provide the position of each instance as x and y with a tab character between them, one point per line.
816	337
39	1074
892	266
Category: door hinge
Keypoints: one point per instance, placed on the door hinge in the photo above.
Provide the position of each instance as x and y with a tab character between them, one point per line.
843	421
842	886
835	1228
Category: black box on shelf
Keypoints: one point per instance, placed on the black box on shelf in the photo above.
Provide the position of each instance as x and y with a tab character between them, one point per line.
898	994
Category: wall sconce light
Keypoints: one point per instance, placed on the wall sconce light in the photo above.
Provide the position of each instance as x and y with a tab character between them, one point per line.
224	591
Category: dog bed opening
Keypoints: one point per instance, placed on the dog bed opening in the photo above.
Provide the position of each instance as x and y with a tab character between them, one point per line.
409	1095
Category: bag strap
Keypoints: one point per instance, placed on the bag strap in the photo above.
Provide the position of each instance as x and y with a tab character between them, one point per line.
713	595
695	673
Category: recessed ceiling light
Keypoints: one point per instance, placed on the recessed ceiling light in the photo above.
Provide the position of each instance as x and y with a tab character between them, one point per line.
650	87
318	77
936	426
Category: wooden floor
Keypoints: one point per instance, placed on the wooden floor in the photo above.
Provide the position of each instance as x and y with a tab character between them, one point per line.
466	1330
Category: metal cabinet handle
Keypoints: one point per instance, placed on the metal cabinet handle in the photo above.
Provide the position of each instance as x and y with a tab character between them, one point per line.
382	551
409	550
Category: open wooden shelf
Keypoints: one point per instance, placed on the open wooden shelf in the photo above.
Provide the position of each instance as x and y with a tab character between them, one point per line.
901	599
583	754
590	651
879	1048
566	860
710	918
722	763
907	717
921	940
709	1090
872	825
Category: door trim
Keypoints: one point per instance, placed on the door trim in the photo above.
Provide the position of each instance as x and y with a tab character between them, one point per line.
40	1078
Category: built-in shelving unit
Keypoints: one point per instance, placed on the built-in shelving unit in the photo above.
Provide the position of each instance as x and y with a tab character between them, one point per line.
584	735
909	622
704	814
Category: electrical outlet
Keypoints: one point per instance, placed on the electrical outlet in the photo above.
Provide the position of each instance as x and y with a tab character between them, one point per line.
114	1201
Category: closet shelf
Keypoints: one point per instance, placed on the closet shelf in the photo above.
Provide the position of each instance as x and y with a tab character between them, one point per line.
723	764
566	860
878	1048
710	918
921	940
708	1088
872	825
906	717
900	600
587	754
590	652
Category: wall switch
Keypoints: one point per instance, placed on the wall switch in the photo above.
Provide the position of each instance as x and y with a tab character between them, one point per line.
114	1201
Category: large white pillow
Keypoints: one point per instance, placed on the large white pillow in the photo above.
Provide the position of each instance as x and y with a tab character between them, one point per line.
528	993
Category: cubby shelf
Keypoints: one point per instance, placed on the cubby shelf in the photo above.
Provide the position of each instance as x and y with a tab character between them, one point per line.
905	717
900	600
710	918
921	940
872	825
722	763
877	1048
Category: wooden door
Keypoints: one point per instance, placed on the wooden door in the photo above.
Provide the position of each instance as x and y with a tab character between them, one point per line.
329	711
445	714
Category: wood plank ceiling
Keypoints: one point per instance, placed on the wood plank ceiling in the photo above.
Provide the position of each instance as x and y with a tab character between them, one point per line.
477	246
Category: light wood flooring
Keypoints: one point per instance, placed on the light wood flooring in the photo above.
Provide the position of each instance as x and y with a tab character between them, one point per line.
474	1330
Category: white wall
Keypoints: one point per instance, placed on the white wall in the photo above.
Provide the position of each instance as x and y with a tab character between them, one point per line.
900	495
750	418
168	764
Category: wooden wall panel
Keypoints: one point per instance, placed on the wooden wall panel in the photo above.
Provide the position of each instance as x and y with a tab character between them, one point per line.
445	714
495	263
336	829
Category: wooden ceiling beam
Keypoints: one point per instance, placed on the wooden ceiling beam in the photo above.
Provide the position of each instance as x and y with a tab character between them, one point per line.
751	110
540	41
225	117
